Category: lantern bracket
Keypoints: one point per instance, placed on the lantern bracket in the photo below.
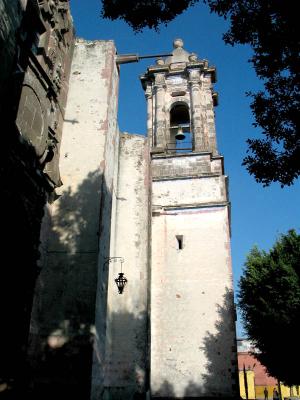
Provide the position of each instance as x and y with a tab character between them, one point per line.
121	281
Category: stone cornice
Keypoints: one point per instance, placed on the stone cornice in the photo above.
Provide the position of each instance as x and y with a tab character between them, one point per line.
178	68
213	204
190	176
191	154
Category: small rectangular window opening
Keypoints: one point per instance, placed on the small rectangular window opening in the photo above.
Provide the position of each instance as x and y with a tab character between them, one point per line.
179	242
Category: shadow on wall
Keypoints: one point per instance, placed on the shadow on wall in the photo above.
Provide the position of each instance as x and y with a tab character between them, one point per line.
127	369
220	380
126	356
63	316
220	350
22	201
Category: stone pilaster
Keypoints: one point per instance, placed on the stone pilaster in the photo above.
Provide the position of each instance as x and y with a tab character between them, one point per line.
149	99
200	139
160	120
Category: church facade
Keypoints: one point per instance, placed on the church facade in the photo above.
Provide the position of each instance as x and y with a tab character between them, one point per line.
134	296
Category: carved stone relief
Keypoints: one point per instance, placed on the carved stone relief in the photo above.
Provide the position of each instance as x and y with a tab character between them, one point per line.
160	79
31	120
40	116
194	75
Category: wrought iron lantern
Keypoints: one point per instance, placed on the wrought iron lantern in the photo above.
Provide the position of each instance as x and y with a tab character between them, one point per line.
120	280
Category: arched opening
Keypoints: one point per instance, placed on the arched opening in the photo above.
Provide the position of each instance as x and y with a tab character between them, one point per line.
180	129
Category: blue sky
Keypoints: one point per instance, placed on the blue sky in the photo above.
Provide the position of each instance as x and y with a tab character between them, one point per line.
259	215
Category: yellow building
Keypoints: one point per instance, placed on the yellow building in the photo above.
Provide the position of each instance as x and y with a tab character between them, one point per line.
253	377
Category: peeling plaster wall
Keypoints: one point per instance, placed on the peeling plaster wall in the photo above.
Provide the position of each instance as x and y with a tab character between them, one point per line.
192	191
63	321
126	344
192	316
196	165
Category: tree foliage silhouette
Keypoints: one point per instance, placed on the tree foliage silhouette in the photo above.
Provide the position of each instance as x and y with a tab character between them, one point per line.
269	299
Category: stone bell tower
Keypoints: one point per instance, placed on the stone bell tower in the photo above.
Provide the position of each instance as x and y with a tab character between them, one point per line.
193	341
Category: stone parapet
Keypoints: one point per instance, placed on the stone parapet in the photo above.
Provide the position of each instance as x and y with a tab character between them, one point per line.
186	165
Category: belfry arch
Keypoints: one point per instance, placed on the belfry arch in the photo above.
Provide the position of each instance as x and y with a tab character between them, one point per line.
181	137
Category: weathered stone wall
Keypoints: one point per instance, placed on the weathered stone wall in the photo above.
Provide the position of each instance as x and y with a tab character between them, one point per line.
37	55
126	335
186	81
184	192
107	215
192	326
11	14
32	100
63	322
197	165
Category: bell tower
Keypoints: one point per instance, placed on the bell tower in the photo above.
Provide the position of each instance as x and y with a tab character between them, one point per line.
180	103
192	329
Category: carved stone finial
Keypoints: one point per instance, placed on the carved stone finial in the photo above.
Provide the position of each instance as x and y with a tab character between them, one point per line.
193	57
177	43
160	61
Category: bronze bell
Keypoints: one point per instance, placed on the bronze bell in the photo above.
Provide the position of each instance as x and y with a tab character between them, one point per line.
180	135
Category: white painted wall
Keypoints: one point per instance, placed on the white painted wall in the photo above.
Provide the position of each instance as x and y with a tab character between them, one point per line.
126	341
176	192
64	305
192	325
